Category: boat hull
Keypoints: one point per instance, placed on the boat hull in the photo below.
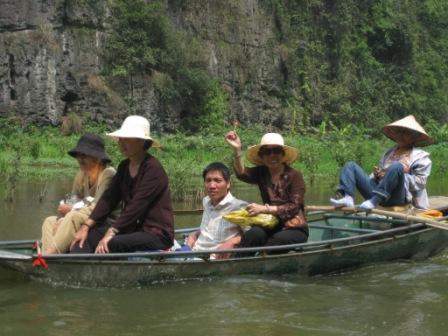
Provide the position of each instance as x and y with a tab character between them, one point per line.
415	244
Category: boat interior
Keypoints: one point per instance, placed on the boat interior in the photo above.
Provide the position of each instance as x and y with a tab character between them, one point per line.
327	229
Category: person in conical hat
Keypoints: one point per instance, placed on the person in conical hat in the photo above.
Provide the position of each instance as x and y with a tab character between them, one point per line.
282	190
140	188
401	175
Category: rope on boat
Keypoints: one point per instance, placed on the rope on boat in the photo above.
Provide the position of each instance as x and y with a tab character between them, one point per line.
39	261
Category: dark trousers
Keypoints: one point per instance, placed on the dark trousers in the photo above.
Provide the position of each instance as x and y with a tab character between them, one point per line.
259	236
390	189
128	242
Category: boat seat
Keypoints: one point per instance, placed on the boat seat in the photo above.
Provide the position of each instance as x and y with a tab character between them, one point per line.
435	202
438	203
395	208
344	229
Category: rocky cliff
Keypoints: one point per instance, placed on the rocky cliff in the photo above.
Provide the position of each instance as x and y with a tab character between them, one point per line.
49	50
51	60
282	63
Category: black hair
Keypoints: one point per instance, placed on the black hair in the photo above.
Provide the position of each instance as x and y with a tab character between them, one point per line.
147	145
217	166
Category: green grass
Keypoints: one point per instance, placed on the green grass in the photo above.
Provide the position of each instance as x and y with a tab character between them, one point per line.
43	153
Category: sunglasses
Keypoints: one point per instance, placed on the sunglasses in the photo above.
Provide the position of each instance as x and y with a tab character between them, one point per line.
269	151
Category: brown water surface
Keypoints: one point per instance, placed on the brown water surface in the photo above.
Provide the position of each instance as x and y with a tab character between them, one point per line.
399	298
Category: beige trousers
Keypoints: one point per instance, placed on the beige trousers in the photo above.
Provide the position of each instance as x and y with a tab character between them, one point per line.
58	233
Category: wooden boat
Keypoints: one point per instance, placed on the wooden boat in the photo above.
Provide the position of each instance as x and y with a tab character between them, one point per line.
338	241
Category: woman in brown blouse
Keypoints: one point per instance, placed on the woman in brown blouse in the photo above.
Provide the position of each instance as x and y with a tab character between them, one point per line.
282	190
140	187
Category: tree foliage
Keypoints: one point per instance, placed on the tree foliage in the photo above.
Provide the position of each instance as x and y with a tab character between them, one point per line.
143	41
365	62
348	61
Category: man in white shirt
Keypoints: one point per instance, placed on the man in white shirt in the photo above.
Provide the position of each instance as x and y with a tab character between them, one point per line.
215	233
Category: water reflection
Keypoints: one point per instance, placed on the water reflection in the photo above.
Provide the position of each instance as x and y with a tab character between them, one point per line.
400	298
36	200
375	300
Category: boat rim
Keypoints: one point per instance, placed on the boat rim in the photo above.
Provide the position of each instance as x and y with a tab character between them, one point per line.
205	255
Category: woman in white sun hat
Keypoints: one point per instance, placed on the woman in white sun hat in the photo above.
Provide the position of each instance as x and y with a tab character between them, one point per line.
282	190
401	175
140	188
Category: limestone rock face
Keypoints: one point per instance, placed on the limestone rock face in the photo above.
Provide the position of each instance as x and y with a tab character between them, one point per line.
243	52
51	61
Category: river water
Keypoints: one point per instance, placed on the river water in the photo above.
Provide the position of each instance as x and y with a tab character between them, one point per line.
399	298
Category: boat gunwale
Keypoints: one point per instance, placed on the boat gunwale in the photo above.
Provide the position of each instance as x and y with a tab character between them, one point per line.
292	253
160	257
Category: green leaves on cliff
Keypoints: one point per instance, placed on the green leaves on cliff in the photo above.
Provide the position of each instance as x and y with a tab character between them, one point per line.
365	62
348	61
143	42
139	36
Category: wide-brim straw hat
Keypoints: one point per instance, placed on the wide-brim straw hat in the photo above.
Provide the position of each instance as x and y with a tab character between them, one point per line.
271	139
408	123
135	127
90	145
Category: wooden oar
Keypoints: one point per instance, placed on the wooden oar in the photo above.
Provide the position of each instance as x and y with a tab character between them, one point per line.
189	212
409	218
412	218
329	208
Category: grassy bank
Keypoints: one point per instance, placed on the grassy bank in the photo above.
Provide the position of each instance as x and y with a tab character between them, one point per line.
30	152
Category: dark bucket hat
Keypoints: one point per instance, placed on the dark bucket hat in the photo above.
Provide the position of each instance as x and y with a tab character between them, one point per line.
91	145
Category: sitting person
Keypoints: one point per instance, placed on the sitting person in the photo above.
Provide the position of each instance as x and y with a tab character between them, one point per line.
401	176
93	178
282	190
215	233
146	219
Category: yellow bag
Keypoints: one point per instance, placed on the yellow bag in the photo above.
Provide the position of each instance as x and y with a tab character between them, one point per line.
242	218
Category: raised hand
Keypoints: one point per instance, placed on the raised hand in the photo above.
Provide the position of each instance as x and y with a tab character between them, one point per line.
233	140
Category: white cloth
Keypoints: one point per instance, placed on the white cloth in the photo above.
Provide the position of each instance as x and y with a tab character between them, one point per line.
214	229
415	182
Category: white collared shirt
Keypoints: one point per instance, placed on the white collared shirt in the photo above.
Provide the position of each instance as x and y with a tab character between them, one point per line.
214	229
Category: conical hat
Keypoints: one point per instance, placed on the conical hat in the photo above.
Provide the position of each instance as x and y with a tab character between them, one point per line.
276	139
409	123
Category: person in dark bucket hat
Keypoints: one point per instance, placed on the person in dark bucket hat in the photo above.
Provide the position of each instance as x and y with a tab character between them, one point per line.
90	145
92	180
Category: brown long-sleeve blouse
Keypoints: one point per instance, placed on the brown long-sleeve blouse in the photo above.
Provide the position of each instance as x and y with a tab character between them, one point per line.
146	201
288	194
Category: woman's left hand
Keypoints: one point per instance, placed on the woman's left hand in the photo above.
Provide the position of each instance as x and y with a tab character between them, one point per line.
102	245
255	209
406	168
64	209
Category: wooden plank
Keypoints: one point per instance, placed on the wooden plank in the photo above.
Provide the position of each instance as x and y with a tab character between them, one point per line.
412	218
188	212
12	255
438	203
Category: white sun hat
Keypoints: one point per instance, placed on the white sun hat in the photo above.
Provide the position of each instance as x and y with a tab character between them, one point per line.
408	123
135	127
271	139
